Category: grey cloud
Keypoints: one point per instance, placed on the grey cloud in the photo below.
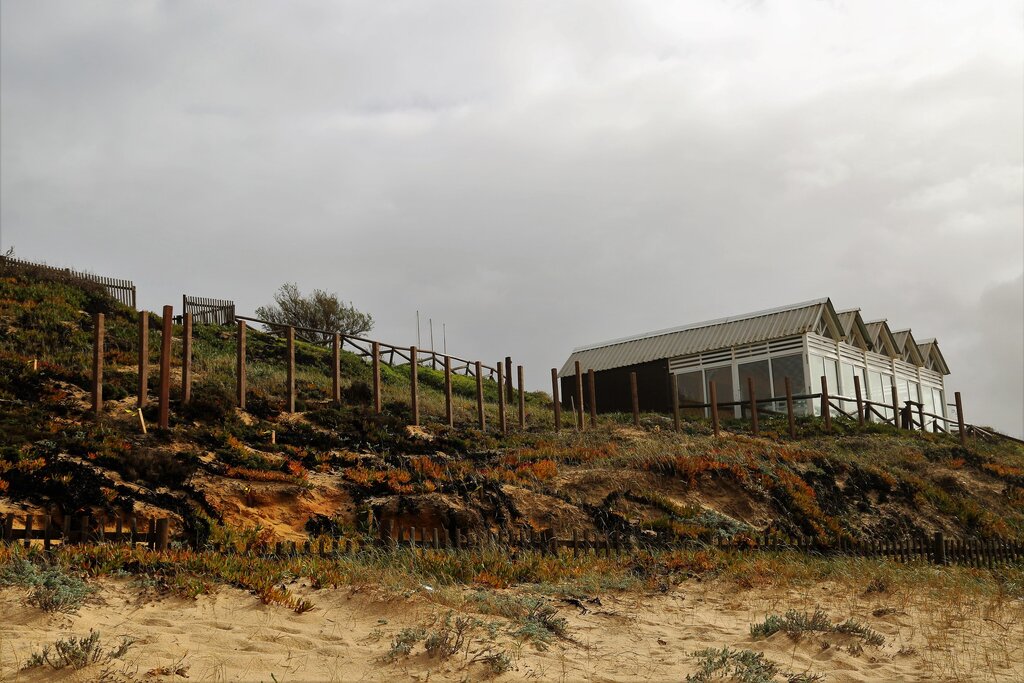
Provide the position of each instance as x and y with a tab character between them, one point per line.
537	176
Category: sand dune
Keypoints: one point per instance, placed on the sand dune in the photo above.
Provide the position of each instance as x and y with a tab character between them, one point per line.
230	636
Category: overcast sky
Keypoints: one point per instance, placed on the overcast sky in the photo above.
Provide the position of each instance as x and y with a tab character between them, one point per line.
537	176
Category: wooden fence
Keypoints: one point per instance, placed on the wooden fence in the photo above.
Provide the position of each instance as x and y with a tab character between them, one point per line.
121	290
910	416
371	351
206	311
151	532
934	549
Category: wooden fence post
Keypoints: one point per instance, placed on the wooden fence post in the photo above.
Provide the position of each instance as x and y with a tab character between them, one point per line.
895	407
826	409
97	362
555	402
165	368
509	388
713	395
186	358
592	389
789	408
860	400
579	397
375	361
162	534
674	383
522	397
939	548
143	359
960	419
501	399
290	336
414	378
634	397
920	415
753	406
240	365
336	369
481	419
449	411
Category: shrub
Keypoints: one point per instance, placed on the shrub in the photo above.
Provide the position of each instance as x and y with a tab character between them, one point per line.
53	590
210	402
318	311
739	665
795	623
77	653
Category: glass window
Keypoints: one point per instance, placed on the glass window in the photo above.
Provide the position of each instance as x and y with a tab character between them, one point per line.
722	377
793	368
929	407
878	392
940	403
758	371
823	367
691	392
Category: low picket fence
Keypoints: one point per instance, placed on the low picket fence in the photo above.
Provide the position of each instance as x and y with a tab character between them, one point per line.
154	533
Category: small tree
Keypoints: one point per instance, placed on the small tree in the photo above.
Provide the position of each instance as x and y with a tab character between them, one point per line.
318	311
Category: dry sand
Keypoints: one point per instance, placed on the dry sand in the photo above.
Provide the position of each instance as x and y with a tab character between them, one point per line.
230	636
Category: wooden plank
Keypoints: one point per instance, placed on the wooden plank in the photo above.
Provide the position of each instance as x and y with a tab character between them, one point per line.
579	397
592	389
960	419
240	365
449	412
634	397
753	406
860	400
895	407
375	360
555	402
713	394
522	397
789	408
165	368
674	384
97	363
290	388
414	385
826	408
501	400
143	385
186	358
480	417
336	369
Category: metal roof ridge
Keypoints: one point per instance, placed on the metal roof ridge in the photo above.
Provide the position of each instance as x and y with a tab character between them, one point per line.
698	325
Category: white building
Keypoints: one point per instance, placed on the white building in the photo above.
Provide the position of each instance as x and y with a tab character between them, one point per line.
803	342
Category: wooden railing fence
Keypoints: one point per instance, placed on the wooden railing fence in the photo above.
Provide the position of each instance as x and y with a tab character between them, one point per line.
910	416
122	291
372	351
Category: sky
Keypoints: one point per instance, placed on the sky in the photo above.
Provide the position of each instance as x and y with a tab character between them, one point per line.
536	175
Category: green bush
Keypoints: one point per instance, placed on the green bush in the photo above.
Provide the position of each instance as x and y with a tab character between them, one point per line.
53	590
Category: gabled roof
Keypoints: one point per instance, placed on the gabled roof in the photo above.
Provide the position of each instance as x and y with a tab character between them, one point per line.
722	333
907	346
854	330
881	338
929	349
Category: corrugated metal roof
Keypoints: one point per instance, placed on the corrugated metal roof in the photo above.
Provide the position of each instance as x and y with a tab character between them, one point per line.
722	333
905	342
850	319
929	348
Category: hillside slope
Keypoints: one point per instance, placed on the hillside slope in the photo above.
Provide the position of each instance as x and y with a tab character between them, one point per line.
282	476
